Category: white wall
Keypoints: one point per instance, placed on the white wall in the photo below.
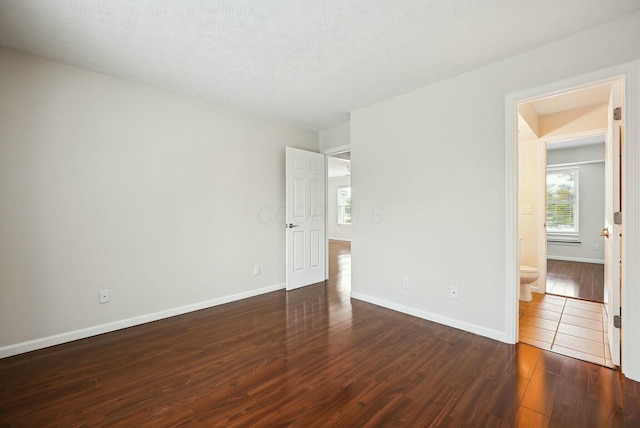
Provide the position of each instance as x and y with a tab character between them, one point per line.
337	231
164	200
433	162
592	152
591	204
335	137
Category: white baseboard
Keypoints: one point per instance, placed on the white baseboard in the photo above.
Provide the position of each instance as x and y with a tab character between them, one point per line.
339	239
45	342
461	325
536	288
575	259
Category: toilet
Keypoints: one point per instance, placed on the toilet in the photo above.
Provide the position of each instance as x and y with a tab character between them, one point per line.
528	274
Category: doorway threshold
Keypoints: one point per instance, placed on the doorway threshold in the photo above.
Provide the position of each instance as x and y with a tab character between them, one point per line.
567	326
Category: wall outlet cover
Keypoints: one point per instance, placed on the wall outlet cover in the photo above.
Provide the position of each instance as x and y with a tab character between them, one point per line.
454	292
405	282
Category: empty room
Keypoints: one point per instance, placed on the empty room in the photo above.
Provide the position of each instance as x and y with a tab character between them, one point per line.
309	213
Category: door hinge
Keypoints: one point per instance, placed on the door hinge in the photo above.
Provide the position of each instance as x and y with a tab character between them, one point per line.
617	218
617	113
617	320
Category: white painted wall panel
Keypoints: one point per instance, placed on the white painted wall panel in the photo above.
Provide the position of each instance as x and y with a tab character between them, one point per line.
433	163
164	200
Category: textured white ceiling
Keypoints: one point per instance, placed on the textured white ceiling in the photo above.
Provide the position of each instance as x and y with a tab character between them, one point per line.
303	62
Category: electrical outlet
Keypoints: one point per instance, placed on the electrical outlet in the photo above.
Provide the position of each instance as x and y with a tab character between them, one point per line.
596	247
256	270
104	296
453	292
405	282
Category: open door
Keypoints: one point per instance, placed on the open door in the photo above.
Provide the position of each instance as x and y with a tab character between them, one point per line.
611	230
305	222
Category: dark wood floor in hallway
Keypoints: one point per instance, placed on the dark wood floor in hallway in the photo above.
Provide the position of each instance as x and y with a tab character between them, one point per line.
310	357
575	279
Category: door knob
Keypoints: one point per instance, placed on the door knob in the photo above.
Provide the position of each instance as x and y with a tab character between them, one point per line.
291	225
604	232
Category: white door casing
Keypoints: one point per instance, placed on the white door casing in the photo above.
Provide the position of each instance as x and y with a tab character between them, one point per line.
629	74
305	222
611	231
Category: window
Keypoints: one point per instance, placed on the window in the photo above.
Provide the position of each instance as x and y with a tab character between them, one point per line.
344	205
562	202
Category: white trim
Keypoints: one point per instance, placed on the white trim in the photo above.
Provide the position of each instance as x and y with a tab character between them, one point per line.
535	287
572	164
573	135
576	259
511	239
326	216
336	150
631	222
57	339
451	322
630	200
563	240
340	239
540	286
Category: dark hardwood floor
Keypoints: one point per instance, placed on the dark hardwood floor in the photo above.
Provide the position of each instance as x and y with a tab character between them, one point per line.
578	280
310	357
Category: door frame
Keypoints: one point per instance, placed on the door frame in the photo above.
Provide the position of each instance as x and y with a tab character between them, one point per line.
329	152
630	182
542	201
542	218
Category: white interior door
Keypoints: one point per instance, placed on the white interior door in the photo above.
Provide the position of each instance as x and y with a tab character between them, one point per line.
611	231
305	223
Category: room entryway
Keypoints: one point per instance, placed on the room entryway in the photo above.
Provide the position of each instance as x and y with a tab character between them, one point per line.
339	220
568	149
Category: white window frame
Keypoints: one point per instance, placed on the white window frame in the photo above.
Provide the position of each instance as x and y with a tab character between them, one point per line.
340	214
560	236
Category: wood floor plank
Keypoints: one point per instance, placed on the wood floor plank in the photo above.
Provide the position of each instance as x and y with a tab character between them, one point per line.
527	418
312	357
576	279
540	395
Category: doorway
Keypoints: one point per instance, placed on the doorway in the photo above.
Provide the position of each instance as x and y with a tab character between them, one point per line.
575	209
561	151
339	220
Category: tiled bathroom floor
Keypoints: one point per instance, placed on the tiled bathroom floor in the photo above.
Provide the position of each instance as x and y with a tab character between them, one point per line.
576	328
